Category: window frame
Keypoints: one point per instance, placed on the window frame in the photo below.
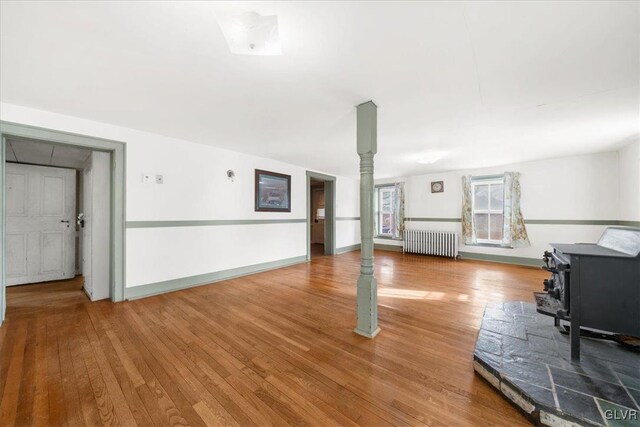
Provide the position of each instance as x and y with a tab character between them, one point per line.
489	181
378	211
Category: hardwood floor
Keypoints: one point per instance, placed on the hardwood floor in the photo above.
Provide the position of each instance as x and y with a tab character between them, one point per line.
317	249
271	348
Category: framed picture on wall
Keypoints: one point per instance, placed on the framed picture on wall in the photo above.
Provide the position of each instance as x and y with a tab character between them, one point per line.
437	186
273	192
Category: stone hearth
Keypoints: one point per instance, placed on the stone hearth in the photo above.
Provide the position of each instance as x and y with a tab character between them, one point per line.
524	356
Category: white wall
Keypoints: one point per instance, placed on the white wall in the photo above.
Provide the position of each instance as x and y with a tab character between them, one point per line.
630	182
347	208
196	188
571	188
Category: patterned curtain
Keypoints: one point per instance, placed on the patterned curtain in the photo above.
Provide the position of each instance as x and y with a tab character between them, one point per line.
399	209
515	233
468	236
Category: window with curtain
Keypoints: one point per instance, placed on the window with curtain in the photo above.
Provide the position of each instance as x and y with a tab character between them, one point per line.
389	210
491	211
488	210
386	211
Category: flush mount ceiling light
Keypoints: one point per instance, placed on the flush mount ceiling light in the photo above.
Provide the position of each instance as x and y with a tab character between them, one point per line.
432	157
249	33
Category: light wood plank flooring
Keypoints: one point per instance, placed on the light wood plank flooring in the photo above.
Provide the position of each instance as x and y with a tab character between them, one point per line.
275	348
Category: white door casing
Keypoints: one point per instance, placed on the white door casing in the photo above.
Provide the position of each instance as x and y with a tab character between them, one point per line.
40	242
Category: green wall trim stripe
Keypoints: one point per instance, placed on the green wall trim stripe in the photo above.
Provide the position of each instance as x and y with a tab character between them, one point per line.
629	223
345	249
571	221
546	221
381	247
535	262
207	223
158	288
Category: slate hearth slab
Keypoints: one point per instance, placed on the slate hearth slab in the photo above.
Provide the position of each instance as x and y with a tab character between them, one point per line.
498	314
576	403
540	395
524	356
489	342
592	367
492	361
629	375
634	393
592	386
515	330
618	416
532	373
540	351
606	350
541	330
511	307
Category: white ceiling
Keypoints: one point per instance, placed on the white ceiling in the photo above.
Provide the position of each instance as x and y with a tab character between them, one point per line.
42	153
483	83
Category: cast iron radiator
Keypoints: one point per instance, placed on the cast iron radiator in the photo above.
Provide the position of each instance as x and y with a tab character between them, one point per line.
441	243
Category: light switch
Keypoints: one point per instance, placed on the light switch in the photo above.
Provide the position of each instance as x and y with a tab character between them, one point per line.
159	179
146	178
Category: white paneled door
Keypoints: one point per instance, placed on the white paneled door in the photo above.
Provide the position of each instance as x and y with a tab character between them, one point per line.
40	227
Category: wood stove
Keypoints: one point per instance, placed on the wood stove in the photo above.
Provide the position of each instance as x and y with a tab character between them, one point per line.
594	286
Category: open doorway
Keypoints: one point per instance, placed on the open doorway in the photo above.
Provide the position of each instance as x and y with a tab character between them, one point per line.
48	179
318	211
58	220
321	217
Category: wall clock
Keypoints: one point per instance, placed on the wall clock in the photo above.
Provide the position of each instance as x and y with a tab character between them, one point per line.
437	186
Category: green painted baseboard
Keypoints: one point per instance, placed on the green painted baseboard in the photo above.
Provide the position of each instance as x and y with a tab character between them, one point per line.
157	288
504	259
392	248
346	249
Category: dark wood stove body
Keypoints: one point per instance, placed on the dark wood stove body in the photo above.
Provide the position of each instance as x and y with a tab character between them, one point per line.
595	286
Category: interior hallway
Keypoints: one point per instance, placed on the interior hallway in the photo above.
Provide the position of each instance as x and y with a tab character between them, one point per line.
272	348
38	299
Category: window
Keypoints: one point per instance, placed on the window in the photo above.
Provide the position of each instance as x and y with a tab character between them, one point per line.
386	211
488	210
